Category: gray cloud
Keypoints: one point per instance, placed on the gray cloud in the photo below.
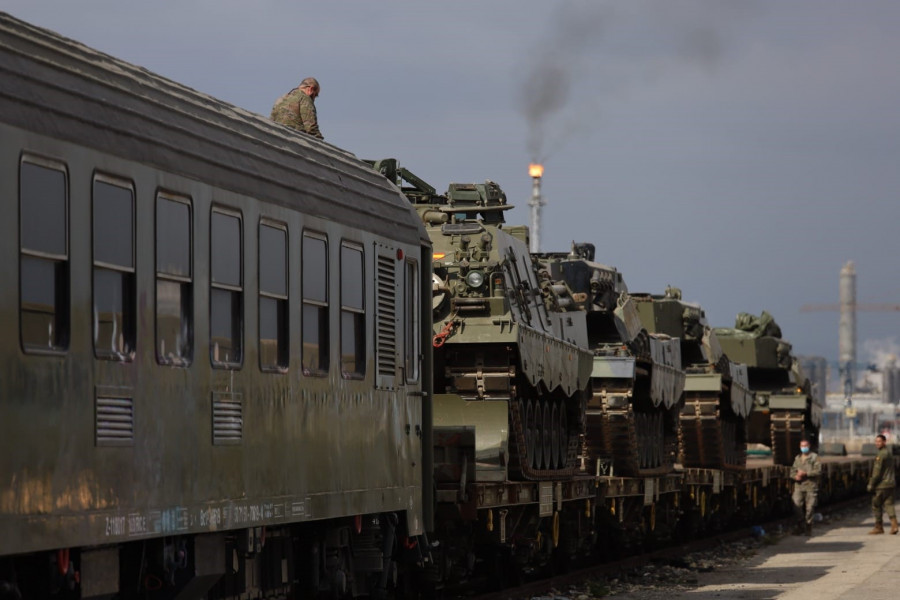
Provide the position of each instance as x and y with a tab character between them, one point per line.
742	151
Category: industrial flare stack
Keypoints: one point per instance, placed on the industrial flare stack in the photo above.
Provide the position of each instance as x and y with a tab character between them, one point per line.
537	172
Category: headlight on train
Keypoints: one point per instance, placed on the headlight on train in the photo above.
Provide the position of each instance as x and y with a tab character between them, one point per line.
475	279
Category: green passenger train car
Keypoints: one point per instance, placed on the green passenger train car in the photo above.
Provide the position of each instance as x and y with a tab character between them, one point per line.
213	342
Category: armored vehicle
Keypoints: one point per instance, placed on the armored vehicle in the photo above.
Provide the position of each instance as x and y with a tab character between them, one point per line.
510	358
636	378
717	400
785	410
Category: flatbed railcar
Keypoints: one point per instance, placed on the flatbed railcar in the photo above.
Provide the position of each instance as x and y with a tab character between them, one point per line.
692	502
212	367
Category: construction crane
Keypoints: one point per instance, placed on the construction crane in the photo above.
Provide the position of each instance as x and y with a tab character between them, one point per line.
854	307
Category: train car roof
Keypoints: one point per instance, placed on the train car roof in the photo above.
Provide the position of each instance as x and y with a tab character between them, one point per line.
63	89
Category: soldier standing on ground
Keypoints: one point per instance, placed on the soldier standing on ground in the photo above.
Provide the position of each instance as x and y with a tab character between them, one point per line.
881	486
805	473
297	108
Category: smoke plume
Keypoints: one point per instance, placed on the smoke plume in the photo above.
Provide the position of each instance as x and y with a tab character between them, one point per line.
593	51
882	353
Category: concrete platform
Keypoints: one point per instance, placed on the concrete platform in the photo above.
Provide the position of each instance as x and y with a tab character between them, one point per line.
839	561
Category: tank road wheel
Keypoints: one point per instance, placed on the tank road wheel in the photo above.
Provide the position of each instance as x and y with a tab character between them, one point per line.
650	431
554	435
535	427
647	442
660	437
563	437
729	437
529	431
539	434
547	431
643	433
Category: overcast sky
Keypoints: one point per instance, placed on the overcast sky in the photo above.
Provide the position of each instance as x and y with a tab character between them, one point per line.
743	151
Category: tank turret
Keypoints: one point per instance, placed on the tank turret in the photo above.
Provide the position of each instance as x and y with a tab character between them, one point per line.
636	379
784	409
510	358
717	400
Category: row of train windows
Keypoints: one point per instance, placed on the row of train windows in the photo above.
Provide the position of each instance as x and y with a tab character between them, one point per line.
44	291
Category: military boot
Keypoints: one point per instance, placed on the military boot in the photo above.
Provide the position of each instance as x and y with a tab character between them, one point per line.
808	531
894	526
879	528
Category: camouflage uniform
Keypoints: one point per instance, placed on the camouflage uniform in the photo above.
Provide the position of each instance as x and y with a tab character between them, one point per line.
881	484
805	491
298	111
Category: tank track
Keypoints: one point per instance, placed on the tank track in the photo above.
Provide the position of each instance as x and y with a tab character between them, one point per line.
788	427
531	442
544	432
636	441
711	437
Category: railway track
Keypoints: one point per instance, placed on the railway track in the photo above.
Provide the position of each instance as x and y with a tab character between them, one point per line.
588	577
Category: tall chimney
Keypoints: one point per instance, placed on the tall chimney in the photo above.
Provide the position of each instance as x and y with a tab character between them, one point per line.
536	171
847	329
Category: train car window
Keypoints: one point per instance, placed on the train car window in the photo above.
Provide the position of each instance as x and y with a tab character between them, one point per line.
114	273
44	257
412	337
273	298
314	320
353	316
174	281
226	293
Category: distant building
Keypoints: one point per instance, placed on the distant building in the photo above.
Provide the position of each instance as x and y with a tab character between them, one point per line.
890	385
816	370
881	381
865	416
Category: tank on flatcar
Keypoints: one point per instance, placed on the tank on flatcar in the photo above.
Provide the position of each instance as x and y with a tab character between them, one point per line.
509	361
785	410
636	378
511	370
717	400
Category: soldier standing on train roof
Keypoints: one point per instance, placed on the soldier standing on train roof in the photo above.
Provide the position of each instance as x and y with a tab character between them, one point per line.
805	473
297	108
881	486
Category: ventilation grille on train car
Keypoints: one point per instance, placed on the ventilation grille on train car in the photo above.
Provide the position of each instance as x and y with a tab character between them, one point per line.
386	325
114	421
227	418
